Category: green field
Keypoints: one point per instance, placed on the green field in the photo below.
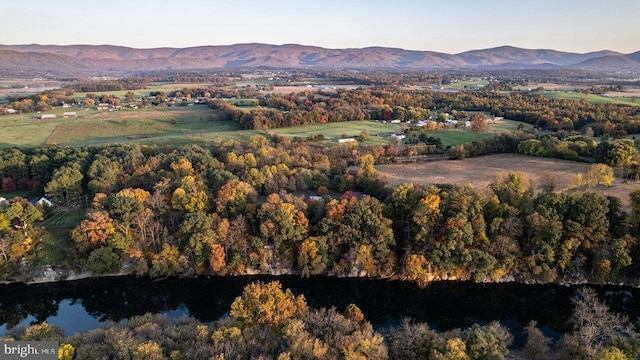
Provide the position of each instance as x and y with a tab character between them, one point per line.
159	86
149	126
378	132
66	219
470	84
188	125
591	98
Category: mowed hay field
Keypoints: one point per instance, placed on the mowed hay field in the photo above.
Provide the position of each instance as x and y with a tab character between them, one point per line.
181	125
480	171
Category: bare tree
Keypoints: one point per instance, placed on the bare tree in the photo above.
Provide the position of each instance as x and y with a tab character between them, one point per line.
594	325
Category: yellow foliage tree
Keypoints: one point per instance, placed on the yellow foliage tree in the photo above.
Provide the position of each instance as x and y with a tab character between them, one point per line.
600	174
267	304
416	269
66	352
217	259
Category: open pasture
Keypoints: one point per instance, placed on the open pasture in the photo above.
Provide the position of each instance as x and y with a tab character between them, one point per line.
591	98
377	132
467	84
159	86
480	172
451	137
157	125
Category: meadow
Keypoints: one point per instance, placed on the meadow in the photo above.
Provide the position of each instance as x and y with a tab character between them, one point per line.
480	171
591	98
467	84
177	125
191	124
157	86
378	133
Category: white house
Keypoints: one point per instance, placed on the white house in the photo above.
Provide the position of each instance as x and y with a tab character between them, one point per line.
48	116
346	140
44	202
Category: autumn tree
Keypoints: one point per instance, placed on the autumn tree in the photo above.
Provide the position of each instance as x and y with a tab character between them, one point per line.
282	225
94	231
189	197
599	174
312	256
234	198
480	122
267	304
537	345
513	189
168	262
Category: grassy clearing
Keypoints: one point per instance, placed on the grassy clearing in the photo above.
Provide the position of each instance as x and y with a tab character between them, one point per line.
470	84
377	131
591	98
480	171
66	219
152	125
460	136
187	125
93	128
158	86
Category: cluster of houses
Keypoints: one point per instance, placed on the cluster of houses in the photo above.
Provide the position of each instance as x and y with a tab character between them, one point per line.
447	121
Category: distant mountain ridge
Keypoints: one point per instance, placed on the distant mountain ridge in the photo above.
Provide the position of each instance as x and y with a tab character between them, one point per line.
110	59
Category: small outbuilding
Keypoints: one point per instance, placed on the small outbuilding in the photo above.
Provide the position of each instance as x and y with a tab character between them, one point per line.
44	202
69	114
48	116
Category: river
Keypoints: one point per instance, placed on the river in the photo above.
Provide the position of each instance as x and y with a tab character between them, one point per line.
82	305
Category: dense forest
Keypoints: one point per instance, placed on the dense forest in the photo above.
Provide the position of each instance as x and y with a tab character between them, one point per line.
239	208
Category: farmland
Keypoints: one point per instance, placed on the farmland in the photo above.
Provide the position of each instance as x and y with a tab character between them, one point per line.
591	98
193	124
157	86
158	125
480	171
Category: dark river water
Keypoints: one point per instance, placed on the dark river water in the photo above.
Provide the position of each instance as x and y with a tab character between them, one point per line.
82	305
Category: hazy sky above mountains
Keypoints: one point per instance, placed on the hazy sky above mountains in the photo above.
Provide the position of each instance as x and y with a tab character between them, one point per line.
449	26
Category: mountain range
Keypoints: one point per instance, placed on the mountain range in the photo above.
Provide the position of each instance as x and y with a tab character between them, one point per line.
112	60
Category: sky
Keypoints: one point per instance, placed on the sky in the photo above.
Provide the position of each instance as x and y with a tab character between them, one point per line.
449	26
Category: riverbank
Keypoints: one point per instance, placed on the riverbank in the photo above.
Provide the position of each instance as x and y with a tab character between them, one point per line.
49	274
